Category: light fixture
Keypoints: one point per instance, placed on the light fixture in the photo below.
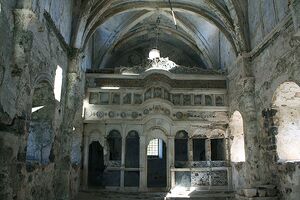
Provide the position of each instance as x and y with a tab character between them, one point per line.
154	52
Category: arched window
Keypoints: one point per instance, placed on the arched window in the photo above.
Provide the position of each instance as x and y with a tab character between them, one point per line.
219	101
132	156
208	100
181	146
237	150
41	133
132	159
286	101
114	140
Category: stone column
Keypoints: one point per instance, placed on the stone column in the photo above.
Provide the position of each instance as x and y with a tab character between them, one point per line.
190	150
208	150
143	170
72	105
123	155
247	104
14	116
170	159
85	161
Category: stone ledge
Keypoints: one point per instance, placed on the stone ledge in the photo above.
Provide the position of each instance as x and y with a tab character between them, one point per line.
238	197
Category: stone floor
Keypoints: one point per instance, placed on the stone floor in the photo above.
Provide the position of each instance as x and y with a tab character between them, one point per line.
109	195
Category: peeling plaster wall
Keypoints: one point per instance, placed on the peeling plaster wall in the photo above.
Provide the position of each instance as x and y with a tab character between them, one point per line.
60	11
275	65
7	87
263	16
271	63
38	52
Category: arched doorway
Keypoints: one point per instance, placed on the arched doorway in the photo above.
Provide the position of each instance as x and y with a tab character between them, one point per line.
181	149
286	101
96	164
132	160
156	164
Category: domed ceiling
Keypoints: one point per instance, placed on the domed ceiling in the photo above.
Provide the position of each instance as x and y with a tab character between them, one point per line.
208	34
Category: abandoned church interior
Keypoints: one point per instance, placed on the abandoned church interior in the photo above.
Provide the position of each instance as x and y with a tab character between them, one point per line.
149	99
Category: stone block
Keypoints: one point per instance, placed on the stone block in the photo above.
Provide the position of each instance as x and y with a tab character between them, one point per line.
250	192
262	192
271	192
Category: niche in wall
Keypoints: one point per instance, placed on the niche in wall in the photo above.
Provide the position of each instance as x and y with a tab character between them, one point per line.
41	133
286	101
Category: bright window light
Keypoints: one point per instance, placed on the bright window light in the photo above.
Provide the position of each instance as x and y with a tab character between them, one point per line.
153	148
36	109
58	83
110	88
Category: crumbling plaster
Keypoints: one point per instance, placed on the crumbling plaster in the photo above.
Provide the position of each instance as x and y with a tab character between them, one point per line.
31	49
268	65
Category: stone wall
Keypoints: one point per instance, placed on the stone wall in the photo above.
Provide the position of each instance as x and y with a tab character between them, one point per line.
273	61
33	45
277	64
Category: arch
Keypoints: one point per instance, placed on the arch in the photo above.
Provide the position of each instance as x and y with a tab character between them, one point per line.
184	37
217	133
43	77
237	149
222	21
96	164
156	163
286	100
132	150
114	140
181	147
156	133
96	135
182	134
41	131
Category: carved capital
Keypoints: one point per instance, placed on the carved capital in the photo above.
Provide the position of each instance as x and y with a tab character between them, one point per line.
23	17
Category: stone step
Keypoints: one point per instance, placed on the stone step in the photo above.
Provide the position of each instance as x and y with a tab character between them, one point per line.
118	195
202	195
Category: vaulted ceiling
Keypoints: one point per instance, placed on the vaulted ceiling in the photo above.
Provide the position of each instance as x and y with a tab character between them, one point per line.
208	32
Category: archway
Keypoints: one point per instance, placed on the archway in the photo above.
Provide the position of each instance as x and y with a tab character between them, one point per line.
156	164
132	160
114	140
237	150
41	133
181	149
286	101
96	165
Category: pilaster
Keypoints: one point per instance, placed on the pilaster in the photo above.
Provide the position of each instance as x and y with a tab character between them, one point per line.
170	160
143	170
295	10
